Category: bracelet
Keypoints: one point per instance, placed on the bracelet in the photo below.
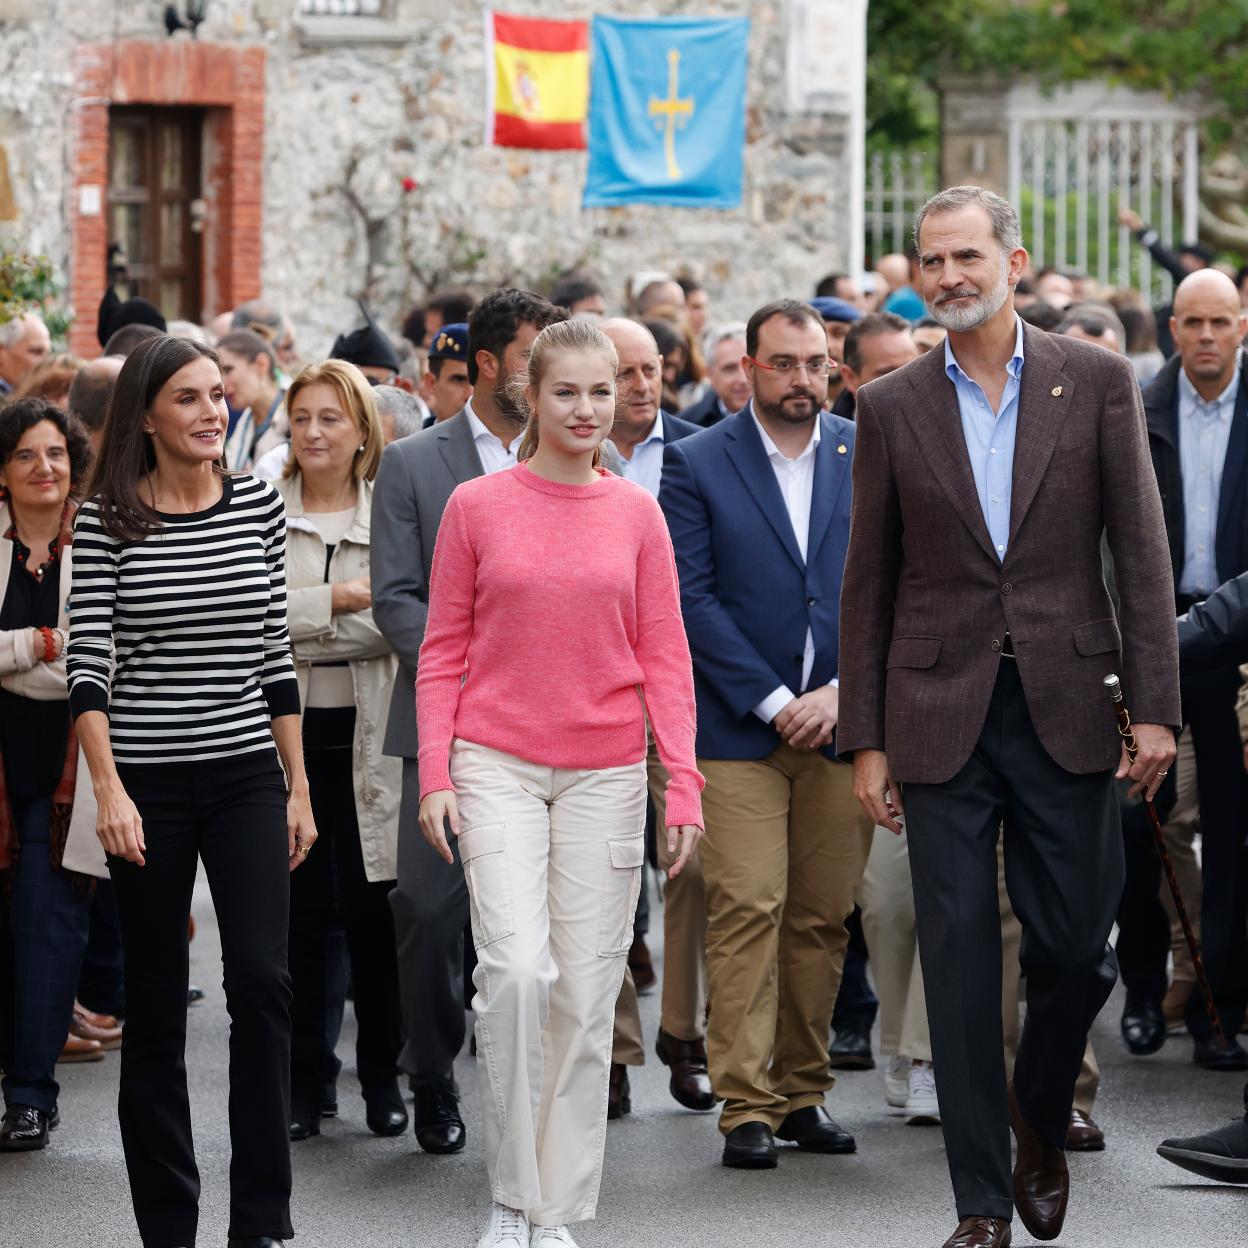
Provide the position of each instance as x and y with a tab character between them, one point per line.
64	636
49	644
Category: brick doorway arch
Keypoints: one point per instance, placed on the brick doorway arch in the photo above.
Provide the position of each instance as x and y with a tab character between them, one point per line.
227	84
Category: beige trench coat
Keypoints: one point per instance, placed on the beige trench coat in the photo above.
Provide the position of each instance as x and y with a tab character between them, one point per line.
316	634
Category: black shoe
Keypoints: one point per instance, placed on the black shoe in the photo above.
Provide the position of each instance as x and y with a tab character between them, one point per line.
1212	1056
194	996
1221	1155
329	1109
254	1241
619	1094
751	1146
851	1050
1143	1026
439	1128
303	1125
385	1113
24	1129
814	1130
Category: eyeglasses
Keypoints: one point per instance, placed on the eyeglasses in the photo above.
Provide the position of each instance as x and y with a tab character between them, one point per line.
820	367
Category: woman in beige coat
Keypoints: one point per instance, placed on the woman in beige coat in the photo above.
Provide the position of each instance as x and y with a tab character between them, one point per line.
346	672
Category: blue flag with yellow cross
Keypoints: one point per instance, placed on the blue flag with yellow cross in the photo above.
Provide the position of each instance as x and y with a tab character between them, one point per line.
667	111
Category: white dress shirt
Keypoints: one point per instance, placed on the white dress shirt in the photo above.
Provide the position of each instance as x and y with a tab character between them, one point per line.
495	454
796	478
646	465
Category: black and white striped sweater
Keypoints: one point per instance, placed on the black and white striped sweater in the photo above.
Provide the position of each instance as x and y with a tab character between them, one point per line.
181	638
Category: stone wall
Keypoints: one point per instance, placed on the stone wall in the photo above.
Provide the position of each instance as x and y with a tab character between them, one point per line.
354	108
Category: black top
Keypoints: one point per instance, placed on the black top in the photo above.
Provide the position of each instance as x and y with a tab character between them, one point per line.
33	734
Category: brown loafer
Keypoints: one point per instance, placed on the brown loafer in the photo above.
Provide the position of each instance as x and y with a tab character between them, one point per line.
79	1050
619	1096
80	1025
1041	1180
690	1084
1083	1135
108	1022
980	1233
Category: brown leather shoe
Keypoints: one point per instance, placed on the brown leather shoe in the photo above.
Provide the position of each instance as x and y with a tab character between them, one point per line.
980	1233
1083	1135
1041	1180
690	1085
642	968
619	1097
79	1050
106	1021
81	1026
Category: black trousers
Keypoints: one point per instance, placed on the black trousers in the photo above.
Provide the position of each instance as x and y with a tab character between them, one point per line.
856	1002
49	918
333	881
101	985
1064	873
430	908
231	813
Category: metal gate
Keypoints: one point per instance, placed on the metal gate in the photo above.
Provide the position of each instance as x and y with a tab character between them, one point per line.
1076	155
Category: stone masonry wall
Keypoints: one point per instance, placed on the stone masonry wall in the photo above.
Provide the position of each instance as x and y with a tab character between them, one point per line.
347	122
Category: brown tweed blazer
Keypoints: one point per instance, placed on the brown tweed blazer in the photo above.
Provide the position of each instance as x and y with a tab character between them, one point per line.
926	603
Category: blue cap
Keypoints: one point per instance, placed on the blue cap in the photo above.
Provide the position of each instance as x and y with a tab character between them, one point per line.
450	343
833	309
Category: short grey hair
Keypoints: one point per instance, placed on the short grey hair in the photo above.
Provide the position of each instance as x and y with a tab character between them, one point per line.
1005	227
13	330
721	333
405	409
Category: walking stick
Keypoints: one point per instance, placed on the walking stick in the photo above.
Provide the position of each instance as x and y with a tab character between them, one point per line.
1114	688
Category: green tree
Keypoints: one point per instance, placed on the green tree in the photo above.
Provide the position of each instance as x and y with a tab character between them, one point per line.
29	283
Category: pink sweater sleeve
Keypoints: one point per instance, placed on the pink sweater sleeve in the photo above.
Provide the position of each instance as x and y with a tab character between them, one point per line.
662	650
444	651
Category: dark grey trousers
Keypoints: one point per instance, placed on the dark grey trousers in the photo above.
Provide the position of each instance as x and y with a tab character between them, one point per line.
1064	872
430	905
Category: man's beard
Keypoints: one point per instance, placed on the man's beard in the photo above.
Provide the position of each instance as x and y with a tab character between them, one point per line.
784	412
971	315
508	407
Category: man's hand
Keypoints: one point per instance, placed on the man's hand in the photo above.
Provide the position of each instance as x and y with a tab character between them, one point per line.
807	722
876	792
1154	757
1132	220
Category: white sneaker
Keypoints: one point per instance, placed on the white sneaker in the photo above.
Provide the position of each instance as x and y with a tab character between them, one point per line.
508	1228
897	1081
550	1237
922	1108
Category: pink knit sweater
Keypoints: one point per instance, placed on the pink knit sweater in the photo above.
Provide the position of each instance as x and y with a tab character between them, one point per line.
551	607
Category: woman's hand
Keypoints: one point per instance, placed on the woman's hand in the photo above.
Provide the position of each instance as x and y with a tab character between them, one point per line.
348	596
119	825
687	835
300	826
435	810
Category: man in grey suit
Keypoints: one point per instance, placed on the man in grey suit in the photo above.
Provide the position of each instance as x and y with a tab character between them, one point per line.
417	475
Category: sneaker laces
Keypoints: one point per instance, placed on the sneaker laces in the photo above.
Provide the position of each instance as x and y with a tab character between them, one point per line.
550	1235
898	1065
511	1222
923	1080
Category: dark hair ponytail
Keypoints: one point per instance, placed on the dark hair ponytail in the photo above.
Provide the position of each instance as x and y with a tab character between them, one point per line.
126	452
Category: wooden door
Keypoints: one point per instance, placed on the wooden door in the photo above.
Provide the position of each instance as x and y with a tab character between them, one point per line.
155	209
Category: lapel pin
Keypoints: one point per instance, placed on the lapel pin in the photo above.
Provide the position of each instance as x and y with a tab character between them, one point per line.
840	450
1057	392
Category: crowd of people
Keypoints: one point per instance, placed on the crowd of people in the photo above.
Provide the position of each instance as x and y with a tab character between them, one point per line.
442	651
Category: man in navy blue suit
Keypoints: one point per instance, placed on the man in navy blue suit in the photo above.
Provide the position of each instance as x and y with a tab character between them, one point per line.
758	509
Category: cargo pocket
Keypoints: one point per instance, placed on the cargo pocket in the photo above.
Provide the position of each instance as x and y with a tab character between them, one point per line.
489	882
621	886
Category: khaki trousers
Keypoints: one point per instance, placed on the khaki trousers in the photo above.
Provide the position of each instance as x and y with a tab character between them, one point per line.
784	850
1179	832
552	860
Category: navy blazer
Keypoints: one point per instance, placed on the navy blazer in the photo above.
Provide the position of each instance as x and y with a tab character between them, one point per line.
747	595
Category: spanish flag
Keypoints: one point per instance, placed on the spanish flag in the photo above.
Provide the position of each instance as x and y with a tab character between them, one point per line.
539	81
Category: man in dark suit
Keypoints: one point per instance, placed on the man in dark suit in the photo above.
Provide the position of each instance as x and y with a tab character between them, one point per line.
729	391
1197	412
638	437
758	509
975	636
430	899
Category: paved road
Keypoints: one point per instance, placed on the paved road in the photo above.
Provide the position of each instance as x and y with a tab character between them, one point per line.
663	1184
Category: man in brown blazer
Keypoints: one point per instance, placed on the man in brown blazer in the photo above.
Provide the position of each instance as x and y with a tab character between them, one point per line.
976	632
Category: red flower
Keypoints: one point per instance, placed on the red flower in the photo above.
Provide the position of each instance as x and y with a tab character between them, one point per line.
410	185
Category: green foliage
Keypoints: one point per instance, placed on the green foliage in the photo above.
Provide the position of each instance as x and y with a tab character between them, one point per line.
29	283
1173	46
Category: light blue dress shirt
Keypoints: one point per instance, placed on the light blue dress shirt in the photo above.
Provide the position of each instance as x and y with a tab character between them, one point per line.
1204	432
990	438
646	465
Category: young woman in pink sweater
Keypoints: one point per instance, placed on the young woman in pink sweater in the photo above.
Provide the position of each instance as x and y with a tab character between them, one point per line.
554	633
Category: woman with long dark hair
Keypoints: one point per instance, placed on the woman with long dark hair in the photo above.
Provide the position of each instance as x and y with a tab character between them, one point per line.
181	683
